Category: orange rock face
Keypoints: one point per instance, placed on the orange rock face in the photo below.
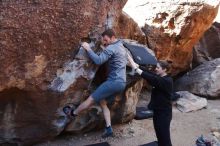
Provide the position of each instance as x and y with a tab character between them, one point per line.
173	28
38	37
38	43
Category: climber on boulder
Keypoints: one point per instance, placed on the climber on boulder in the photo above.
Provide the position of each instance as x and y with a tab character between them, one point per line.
115	55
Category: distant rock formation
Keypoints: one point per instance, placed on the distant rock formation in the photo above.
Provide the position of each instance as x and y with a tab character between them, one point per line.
208	47
202	81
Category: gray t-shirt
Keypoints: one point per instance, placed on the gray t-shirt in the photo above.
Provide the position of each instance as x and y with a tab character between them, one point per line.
115	54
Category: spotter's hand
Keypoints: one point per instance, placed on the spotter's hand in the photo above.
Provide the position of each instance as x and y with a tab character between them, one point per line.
131	62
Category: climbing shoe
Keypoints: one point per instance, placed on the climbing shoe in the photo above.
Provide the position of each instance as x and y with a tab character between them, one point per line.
68	110
108	132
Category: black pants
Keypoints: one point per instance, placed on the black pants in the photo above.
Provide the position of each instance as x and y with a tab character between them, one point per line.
161	120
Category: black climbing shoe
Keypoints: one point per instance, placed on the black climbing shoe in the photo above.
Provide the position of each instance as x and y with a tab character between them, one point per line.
69	110
108	132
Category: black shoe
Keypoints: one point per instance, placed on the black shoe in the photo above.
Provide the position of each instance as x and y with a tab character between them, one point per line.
69	110
108	132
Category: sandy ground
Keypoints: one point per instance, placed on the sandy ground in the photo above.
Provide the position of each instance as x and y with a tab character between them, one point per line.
185	129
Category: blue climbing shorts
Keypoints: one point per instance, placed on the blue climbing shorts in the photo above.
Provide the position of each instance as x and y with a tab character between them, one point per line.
108	90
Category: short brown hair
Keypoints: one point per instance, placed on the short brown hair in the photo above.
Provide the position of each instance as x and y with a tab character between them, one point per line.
165	64
109	33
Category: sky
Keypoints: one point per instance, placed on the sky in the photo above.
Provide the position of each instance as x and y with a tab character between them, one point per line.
217	19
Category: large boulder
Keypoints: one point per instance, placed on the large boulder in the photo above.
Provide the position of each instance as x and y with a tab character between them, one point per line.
173	27
202	81
208	47
189	102
41	70
38	37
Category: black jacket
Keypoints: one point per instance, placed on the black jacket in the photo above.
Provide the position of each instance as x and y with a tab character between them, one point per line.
161	92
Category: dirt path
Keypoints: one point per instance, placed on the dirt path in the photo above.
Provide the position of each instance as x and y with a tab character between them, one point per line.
185	129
